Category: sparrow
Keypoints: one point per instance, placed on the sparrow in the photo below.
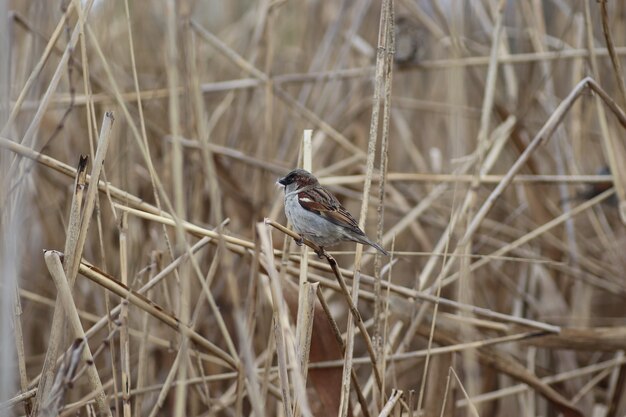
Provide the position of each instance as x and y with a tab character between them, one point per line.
316	214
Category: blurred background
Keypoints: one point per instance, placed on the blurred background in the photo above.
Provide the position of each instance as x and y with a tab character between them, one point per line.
217	95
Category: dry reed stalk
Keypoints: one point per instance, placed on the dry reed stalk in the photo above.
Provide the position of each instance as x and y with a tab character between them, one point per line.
339	339
53	261
507	364
38	68
172	10
344	291
80	220
413	295
537	232
486	166
318	60
306	300
251	321
391	403
304	297
306	306
316	76
535	335
617	66
67	170
203	128
608	141
19	347
27	395
379	339
159	191
280	93
124	338
543	135
135	298
517	389
461	178
188	226
169	381
418	317
472	408
282	331
149	285
384	44
385	340
86	402
142	360
468	208
29	136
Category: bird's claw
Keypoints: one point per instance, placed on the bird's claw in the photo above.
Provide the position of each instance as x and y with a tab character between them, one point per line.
300	241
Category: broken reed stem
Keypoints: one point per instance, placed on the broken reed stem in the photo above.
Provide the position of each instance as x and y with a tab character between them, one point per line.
99	325
74	256
55	267
79	223
391	403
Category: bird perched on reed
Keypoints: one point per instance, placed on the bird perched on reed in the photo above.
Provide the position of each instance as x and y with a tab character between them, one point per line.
317	215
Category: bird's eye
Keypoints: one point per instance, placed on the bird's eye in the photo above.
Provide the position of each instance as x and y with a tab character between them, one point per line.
289	179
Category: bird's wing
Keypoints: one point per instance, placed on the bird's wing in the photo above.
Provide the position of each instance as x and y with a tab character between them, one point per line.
321	202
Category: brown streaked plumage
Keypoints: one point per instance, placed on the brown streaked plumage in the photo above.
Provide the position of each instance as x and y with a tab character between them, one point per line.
317	215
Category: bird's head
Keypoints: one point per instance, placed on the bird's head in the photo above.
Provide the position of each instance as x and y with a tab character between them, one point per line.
296	179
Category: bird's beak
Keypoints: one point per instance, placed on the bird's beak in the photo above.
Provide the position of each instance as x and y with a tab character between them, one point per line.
281	181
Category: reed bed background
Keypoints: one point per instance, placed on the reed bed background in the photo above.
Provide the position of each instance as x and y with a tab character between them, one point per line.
480	142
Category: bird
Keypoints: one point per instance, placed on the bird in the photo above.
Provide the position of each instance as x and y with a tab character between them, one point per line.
316	214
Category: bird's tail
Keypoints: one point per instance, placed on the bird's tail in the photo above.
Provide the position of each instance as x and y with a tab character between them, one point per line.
366	241
380	248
